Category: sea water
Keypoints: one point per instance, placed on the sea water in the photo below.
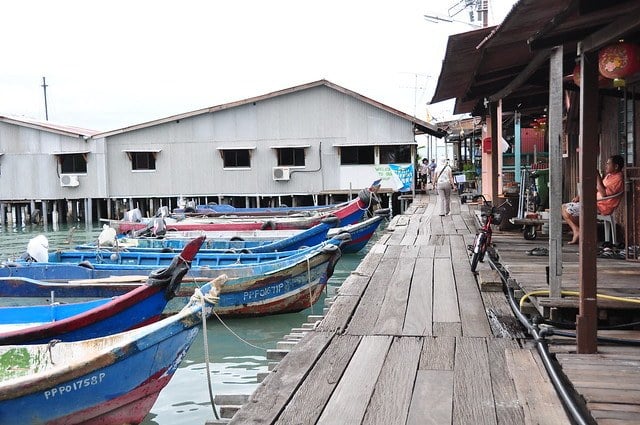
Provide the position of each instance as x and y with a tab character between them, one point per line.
235	360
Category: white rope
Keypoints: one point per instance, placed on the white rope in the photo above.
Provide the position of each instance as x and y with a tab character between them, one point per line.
236	335
206	348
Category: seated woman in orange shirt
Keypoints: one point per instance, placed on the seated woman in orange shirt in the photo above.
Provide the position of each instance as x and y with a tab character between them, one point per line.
611	184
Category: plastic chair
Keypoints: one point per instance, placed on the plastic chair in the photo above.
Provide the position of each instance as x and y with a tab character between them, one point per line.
609	222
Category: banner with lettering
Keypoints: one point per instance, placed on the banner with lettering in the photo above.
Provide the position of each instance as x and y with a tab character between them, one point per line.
403	176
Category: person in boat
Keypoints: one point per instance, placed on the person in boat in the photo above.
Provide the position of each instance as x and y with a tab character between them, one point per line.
608	186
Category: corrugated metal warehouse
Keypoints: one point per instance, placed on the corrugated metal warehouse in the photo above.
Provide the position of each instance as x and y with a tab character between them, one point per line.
302	145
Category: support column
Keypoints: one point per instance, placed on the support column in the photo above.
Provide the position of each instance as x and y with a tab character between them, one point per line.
3	213
518	146
32	205
495	152
55	216
45	214
555	172
109	209
88	212
99	209
11	216
587	272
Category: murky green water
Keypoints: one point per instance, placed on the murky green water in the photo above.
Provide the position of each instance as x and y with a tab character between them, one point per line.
234	364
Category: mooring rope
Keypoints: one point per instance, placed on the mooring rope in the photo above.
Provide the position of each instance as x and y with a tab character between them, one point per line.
309	284
203	299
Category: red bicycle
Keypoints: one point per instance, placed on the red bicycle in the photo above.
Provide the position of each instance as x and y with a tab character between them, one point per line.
490	215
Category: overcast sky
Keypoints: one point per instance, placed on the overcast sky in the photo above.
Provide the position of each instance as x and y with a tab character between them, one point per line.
115	63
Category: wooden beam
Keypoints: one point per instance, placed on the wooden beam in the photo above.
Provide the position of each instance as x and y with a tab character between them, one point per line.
555	171
495	146
587	319
527	72
576	28
611	32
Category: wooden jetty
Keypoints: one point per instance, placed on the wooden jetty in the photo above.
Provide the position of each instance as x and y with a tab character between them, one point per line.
608	382
411	339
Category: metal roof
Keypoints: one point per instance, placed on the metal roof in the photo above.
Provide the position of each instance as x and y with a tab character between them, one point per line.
511	63
460	60
420	126
48	126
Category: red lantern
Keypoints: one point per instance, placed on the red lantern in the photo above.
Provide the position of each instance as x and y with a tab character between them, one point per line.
486	145
619	60
602	81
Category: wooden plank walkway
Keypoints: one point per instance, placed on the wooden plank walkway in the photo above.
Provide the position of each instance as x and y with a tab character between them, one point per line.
410	339
608	383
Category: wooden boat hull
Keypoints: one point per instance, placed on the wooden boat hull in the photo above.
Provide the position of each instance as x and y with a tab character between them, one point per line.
360	233
135	308
111	380
305	238
348	214
287	285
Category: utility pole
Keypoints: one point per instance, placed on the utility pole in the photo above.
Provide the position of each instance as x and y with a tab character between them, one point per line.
44	87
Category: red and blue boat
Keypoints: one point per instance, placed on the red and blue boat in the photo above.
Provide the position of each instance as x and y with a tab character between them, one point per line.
255	242
286	283
360	233
85	320
351	212
110	380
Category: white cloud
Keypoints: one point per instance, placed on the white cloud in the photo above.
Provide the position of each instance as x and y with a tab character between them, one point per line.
111	64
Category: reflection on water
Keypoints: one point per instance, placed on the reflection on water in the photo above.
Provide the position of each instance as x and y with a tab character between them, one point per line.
234	364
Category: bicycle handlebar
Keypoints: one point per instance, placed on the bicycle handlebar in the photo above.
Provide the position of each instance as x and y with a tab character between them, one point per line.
476	197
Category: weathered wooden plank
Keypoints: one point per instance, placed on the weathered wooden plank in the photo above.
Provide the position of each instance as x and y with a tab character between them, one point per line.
393	251
508	408
339	314
392	393
308	402
367	310
427	251
540	404
472	402
432	399
445	297
350	399
437	353
355	284
472	311
447	329
419	307
392	312
370	262
268	400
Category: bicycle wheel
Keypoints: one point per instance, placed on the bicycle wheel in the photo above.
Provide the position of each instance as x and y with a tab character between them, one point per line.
479	248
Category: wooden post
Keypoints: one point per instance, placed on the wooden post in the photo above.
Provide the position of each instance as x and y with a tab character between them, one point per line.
555	171
495	151
587	274
45	212
88	212
3	213
109	209
517	147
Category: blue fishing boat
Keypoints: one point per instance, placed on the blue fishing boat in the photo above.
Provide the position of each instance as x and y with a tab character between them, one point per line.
110	380
77	321
360	233
237	243
288	284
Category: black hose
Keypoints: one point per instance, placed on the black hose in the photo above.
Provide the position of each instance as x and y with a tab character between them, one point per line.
572	407
622	341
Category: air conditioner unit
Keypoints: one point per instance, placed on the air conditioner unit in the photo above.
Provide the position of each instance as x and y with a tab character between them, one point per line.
281	173
69	181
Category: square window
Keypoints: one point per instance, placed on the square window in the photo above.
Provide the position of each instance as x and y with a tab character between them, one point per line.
291	157
354	155
236	158
72	163
395	154
143	161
